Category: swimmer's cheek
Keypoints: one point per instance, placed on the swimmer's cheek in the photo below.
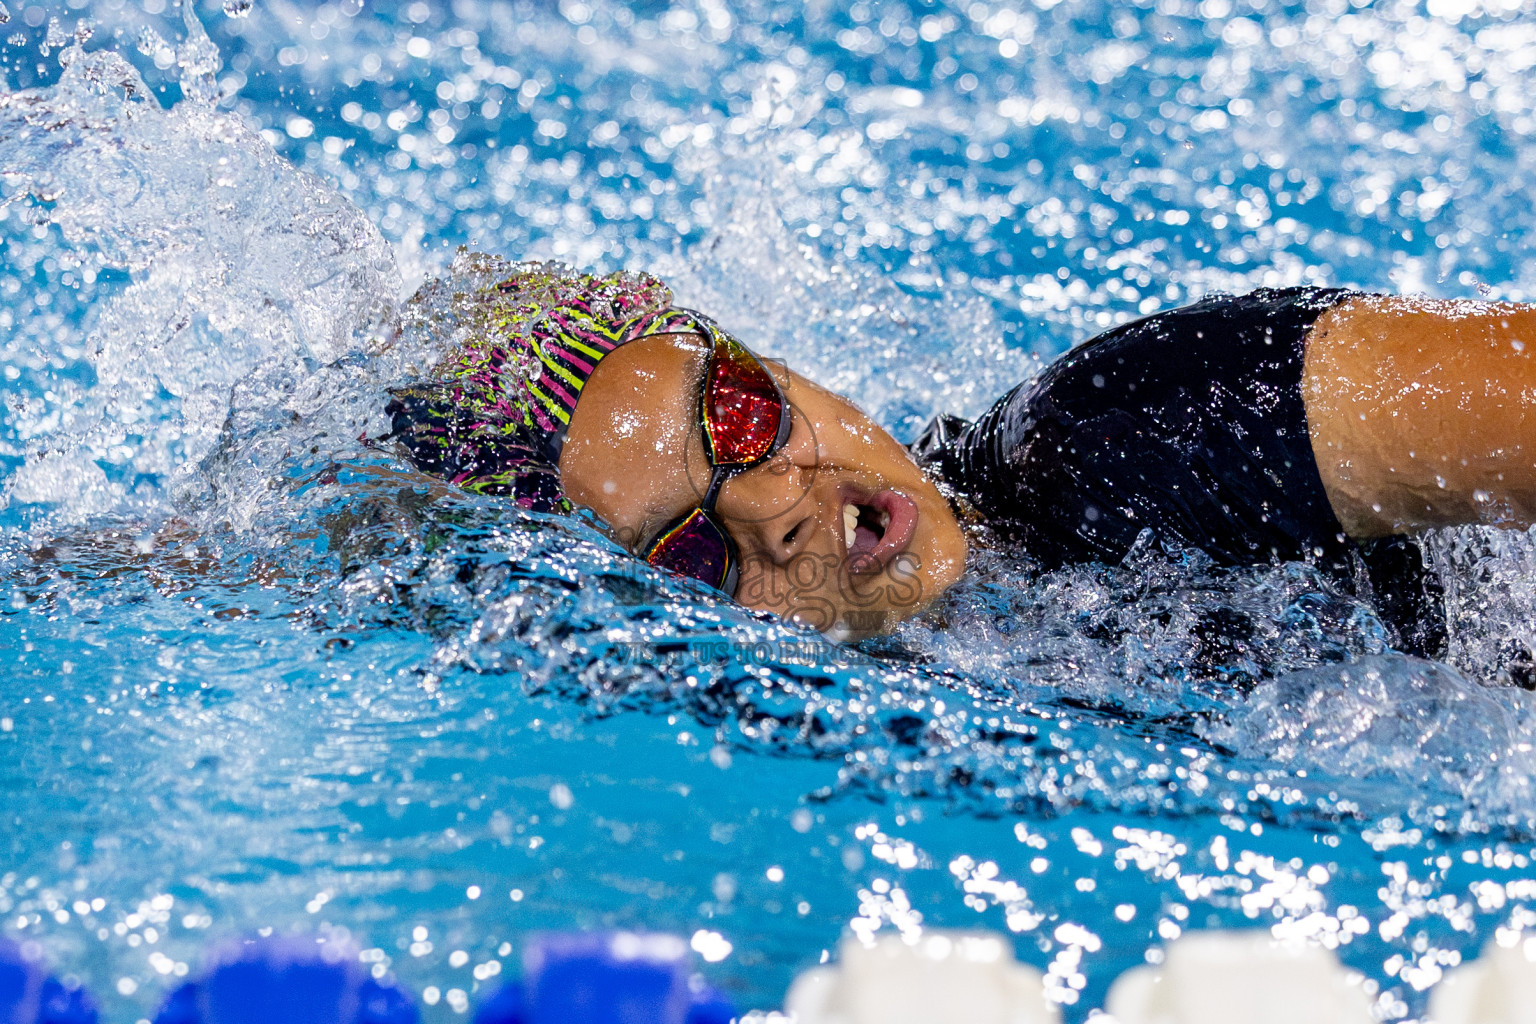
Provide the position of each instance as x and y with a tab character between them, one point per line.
761	584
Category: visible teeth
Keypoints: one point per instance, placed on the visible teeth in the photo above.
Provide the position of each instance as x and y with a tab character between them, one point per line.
850	524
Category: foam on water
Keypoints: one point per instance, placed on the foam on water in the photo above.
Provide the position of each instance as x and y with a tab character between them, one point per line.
266	677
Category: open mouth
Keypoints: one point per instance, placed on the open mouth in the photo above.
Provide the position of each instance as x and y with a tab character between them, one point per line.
877	527
863	527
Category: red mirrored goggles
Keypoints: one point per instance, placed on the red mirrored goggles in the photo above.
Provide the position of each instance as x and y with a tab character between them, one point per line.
745	418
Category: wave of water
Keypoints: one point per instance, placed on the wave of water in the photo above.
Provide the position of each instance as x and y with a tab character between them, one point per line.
267	677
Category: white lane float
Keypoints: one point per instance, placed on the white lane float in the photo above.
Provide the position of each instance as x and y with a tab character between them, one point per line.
1222	977
943	977
1498	987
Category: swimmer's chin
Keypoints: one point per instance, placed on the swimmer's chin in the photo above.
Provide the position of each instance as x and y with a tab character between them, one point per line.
854	625
845	632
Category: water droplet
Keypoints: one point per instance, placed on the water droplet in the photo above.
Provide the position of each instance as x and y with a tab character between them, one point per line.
5	14
524	362
56	37
199	60
238	8
150	42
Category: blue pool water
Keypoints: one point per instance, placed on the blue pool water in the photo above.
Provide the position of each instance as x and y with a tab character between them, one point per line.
254	682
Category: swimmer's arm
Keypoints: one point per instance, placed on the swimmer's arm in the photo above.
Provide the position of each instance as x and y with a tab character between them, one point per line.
1422	413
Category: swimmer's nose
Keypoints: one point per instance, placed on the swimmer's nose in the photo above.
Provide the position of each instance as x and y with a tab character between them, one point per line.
773	503
783	537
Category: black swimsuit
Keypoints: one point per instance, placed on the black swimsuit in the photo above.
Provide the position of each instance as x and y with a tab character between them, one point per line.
1190	423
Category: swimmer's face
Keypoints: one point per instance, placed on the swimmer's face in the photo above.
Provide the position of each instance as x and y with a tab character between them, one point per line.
634	455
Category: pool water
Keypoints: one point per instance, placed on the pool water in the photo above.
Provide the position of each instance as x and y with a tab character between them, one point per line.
258	680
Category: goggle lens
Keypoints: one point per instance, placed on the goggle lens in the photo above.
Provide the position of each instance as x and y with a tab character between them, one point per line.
745	419
743	407
697	548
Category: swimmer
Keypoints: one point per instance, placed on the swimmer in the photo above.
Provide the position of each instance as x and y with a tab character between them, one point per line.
1312	424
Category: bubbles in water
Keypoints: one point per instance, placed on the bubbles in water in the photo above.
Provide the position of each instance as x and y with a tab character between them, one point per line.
238	8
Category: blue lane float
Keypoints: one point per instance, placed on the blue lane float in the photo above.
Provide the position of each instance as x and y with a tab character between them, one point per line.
606	978
30	995
292	980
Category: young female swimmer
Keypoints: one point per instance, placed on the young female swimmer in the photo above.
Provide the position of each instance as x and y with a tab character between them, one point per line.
1316	424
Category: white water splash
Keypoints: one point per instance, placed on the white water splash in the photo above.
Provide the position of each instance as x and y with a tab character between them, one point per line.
1489	579
240	268
1394	718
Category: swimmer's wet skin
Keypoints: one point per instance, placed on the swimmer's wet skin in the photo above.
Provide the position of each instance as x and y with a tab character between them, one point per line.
1296	424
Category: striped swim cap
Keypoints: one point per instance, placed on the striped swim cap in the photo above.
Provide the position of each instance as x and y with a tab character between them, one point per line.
525	338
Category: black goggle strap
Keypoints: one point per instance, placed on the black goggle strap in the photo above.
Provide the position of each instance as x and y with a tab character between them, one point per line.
717	480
